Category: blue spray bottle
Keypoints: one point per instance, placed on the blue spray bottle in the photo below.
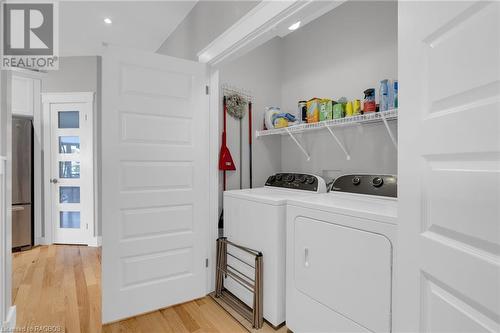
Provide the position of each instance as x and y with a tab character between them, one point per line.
384	95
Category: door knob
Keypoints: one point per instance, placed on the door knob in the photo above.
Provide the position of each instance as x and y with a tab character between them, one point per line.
54	181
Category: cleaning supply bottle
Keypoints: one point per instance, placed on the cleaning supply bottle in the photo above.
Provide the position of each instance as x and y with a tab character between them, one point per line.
395	92
384	95
369	101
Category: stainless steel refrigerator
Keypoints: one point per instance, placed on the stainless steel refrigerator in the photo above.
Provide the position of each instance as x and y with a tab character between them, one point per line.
22	183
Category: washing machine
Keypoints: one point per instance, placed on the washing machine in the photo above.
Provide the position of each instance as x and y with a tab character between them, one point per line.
256	218
339	257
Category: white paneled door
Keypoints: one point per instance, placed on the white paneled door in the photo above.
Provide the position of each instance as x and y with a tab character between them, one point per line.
155	168
448	263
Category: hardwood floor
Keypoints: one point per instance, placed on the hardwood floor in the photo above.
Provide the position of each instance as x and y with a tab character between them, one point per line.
60	286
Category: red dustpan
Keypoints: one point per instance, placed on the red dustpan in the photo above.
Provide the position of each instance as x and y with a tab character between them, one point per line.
225	160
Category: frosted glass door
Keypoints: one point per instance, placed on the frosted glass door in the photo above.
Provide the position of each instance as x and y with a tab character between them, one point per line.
71	161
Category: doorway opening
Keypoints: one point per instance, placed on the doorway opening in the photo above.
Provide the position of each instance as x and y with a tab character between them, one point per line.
59	267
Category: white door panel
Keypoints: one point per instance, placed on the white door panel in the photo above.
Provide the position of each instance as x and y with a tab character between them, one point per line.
155	182
448	265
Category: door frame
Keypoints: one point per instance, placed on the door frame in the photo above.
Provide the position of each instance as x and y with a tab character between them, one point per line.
58	98
213	186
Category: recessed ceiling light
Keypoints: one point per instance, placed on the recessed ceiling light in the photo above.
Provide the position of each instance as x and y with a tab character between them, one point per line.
107	20
294	26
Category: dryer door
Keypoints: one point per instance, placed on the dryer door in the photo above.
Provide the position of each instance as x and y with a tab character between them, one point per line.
347	270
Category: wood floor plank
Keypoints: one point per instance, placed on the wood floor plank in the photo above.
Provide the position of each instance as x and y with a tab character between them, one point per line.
72	322
217	315
49	278
35	290
57	301
154	322
203	322
174	321
82	296
130	325
188	321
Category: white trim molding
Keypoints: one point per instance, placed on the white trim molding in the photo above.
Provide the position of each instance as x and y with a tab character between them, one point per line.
40	241
5	194
10	322
96	241
29	73
213	195
68	97
265	21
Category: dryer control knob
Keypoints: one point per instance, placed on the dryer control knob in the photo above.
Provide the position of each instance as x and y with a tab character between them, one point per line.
310	180
356	180
289	178
300	178
377	181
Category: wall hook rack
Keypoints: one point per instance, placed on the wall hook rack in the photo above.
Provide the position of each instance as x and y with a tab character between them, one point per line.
308	157
228	89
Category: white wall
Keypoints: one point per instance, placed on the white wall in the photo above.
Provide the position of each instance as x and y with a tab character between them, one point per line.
260	73
206	21
74	74
82	74
342	53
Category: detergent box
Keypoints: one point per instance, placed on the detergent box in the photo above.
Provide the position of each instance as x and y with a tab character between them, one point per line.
338	111
313	106
325	109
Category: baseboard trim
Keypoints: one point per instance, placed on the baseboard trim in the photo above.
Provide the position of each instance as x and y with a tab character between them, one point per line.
10	323
95	241
40	241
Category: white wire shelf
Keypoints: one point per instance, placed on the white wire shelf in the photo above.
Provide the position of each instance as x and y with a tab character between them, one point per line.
361	119
330	125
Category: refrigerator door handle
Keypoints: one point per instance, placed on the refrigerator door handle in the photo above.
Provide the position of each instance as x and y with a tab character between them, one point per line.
17	208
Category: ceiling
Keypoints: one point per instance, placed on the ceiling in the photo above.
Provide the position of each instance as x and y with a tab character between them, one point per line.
136	24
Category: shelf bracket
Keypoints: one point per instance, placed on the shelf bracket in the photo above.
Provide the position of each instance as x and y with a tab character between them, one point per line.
298	144
389	131
347	156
